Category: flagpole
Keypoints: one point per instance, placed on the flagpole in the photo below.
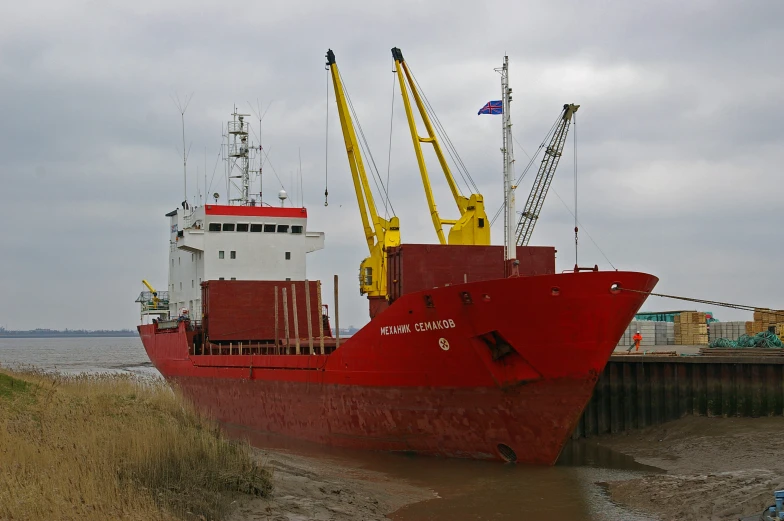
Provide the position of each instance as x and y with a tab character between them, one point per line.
510	248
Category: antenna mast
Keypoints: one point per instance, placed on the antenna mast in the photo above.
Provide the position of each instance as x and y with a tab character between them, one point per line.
182	107
510	246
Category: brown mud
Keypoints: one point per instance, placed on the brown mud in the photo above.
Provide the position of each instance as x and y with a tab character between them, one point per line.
323	488
716	468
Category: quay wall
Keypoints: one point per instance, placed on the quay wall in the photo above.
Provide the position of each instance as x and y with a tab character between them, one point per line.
634	392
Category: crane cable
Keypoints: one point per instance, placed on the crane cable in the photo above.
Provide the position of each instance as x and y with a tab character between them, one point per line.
450	147
544	143
326	148
574	153
365	149
389	154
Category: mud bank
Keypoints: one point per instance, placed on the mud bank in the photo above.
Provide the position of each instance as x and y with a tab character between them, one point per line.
716	468
309	488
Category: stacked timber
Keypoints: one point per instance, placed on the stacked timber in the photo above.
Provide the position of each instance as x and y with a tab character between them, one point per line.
691	329
729	330
764	320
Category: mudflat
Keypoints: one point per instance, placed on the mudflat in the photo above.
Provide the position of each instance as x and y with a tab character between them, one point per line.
324	488
716	468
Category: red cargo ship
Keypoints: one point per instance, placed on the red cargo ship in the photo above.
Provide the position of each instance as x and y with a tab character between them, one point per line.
472	351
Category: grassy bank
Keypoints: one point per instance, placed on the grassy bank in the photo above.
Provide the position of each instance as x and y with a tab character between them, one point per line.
113	447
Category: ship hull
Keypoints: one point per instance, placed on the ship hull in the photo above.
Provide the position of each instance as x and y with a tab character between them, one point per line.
497	369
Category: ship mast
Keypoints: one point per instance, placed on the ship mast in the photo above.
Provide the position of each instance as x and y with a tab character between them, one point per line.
239	156
510	247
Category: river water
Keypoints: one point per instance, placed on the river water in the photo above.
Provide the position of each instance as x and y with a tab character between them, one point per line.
471	490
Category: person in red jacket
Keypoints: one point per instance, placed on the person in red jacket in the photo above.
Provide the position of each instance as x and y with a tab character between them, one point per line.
637	339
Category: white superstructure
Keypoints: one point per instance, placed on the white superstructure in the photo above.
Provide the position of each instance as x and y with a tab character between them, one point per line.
220	242
244	240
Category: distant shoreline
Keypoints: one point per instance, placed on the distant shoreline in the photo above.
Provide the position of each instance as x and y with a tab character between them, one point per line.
68	334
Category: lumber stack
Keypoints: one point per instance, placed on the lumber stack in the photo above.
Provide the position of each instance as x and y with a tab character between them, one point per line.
764	320
691	329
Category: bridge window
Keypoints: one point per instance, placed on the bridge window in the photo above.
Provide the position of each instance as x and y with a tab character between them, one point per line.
242	227
296	229
288	255
234	278
283	228
269	228
228	227
221	278
220	254
255	227
233	254
215	227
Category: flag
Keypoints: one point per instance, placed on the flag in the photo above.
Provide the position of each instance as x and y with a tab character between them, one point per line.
492	107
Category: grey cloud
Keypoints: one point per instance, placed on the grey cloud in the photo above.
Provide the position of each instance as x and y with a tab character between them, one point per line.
678	146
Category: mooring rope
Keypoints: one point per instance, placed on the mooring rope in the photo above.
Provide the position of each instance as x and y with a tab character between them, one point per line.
697	300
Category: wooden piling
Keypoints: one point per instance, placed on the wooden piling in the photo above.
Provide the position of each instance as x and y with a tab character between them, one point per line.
296	320
308	316
320	320
286	321
337	324
276	321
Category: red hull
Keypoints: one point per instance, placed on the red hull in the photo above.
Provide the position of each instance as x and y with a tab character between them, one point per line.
456	371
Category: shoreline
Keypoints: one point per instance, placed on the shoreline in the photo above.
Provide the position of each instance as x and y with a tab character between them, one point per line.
715	468
326	488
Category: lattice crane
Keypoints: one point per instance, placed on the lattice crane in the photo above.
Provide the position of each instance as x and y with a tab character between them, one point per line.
552	154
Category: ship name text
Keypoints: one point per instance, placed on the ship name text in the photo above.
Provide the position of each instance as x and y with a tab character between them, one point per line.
419	327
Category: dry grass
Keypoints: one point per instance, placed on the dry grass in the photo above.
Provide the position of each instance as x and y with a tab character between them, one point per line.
113	447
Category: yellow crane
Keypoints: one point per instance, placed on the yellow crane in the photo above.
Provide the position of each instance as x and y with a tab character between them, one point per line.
154	293
472	228
380	233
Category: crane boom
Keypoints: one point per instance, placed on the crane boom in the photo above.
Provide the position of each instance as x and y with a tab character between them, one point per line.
149	286
155	298
552	154
471	228
380	233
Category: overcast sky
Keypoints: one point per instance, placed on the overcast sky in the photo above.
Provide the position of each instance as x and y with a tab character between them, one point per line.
679	140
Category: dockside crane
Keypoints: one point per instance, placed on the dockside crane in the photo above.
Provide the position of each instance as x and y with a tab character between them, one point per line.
472	228
380	233
552	154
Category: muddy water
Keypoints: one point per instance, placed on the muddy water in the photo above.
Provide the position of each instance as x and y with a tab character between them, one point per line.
479	490
466	490
485	490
